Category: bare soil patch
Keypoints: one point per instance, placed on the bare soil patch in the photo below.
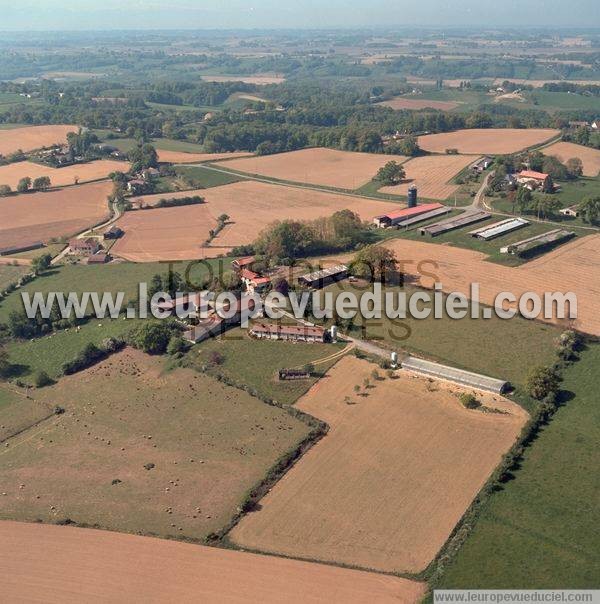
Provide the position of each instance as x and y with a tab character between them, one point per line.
33	137
571	267
180	157
387	485
431	174
404	103
328	167
184	447
35	217
590	157
178	233
495	141
105	566
60	177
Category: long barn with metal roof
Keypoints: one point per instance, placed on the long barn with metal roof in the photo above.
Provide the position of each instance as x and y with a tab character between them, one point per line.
497	229
459	376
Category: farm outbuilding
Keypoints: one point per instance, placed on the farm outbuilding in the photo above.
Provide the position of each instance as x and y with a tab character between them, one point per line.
400	216
499	228
538	242
452	374
294	333
455	222
325	276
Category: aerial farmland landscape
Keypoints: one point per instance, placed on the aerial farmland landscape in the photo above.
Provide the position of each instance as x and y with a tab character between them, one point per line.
300	303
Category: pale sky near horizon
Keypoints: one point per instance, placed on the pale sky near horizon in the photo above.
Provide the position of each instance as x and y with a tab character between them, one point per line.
271	14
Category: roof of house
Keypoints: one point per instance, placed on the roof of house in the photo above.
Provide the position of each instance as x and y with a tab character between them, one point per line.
248	274
292	330
195	299
532	174
408	212
99	258
261	280
83	243
246	261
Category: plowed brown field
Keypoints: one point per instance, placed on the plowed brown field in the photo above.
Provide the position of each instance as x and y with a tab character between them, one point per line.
329	167
590	157
59	177
572	267
389	482
404	103
41	216
178	233
67	565
33	137
494	141
179	157
431	174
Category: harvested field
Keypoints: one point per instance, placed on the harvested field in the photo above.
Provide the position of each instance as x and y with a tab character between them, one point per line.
166	233
179	157
494	141
431	174
404	103
572	267
60	177
129	568
41	216
328	167
261	80
178	233
387	485
182	447
564	151
33	137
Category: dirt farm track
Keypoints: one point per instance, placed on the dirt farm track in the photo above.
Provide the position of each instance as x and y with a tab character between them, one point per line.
493	141
67	565
388	483
33	137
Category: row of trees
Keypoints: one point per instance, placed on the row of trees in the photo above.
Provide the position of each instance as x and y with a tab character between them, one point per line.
25	184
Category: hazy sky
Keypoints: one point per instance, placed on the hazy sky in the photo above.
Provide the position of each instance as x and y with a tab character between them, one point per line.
225	14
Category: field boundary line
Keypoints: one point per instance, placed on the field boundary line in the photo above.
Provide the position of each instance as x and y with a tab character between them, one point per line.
291	184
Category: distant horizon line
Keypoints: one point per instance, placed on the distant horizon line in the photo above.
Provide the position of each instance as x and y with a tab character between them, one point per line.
330	28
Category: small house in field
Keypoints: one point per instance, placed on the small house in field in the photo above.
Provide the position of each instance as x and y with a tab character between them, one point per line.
533	180
84	247
289	333
481	164
114	233
572	211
